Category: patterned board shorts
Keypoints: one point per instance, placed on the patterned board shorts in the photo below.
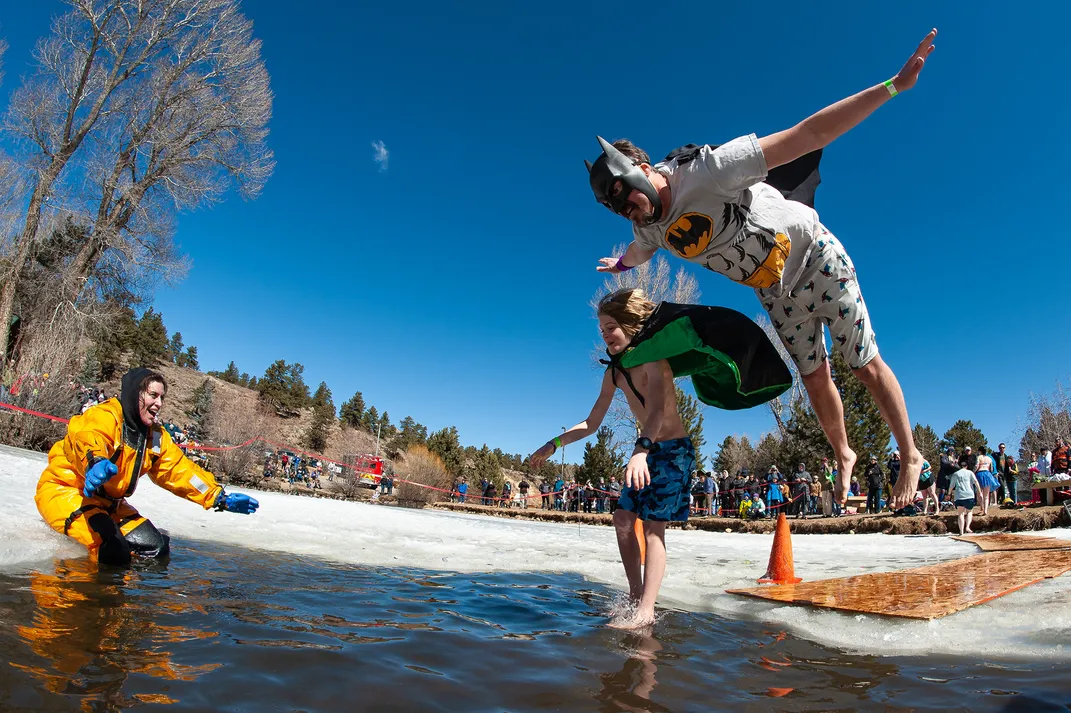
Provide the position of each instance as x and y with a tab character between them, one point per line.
666	499
827	293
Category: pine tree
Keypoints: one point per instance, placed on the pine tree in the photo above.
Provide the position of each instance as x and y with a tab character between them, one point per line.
201	410
410	433
727	455
253	383
371	420
868	435
805	441
322	397
387	430
111	338
150	341
284	385
747	454
446	444
352	413
769	453
230	374
90	368
174	348
962	434
189	359
323	418
486	465
690	410
926	441
600	459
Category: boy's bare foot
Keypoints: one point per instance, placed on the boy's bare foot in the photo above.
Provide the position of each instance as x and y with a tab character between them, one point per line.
634	620
910	469
845	465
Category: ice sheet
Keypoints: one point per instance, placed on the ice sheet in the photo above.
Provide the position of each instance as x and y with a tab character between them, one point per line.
1034	622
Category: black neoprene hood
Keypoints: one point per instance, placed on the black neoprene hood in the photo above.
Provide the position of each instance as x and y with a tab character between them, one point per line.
129	397
614	166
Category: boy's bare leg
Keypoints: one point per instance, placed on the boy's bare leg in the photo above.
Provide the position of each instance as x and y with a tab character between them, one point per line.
624	526
883	386
653	570
825	400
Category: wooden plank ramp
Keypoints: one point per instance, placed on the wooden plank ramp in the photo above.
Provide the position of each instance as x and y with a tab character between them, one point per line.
1009	541
925	592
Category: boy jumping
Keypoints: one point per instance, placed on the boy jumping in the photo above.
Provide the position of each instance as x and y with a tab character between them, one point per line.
656	478
710	206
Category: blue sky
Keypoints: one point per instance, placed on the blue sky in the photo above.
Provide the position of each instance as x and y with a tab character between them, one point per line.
451	283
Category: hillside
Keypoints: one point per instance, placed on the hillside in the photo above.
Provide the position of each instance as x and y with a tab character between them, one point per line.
237	415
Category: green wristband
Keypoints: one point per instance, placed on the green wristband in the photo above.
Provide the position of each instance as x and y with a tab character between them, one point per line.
891	87
557	442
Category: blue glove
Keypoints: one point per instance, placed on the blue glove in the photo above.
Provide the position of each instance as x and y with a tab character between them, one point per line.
97	475
236	502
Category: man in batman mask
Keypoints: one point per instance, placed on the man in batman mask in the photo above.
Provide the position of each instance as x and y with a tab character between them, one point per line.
95	468
712	207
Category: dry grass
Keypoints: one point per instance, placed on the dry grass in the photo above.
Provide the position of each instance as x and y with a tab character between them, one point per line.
424	467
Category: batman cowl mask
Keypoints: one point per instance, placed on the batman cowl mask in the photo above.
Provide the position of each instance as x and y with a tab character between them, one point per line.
613	166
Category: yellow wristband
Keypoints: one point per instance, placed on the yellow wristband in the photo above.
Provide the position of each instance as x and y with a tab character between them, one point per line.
891	87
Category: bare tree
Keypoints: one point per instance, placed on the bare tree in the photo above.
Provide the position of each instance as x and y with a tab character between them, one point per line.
1047	418
660	284
139	109
783	405
235	421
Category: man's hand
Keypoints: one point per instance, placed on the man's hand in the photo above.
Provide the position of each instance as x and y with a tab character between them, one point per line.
905	79
608	264
546	451
636	473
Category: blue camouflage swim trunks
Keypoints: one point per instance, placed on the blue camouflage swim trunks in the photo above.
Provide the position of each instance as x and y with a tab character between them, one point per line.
666	499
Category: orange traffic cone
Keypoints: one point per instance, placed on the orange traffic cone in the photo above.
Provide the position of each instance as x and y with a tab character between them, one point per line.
781	569
642	540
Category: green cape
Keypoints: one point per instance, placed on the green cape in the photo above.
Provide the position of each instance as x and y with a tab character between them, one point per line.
731	361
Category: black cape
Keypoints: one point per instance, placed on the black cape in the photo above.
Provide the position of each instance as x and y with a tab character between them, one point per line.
797	180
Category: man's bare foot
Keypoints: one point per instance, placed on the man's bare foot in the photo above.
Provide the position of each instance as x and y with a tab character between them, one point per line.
845	466
907	484
968	530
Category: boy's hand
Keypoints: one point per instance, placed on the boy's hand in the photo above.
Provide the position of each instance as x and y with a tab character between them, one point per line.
608	264
636	473
537	458
905	79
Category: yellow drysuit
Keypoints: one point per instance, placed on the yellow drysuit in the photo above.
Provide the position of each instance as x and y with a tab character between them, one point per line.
98	433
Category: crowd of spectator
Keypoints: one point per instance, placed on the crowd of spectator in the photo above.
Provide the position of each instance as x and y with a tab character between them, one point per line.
750	495
293	468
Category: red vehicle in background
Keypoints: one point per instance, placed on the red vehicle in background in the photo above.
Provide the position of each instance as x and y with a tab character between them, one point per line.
368	469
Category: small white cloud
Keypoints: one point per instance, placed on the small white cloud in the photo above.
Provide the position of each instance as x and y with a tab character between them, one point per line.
382	154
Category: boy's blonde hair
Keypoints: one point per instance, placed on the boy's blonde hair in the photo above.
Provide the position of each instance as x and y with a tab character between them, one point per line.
629	307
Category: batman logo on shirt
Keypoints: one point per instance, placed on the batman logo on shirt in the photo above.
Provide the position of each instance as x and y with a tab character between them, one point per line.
690	234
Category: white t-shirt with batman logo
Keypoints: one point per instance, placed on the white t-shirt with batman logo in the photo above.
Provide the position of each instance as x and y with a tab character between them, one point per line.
722	216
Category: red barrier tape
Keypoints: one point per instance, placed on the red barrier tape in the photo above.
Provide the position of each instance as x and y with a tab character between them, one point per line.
33	413
474	496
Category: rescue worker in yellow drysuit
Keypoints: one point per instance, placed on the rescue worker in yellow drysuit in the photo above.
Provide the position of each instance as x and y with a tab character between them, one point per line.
92	471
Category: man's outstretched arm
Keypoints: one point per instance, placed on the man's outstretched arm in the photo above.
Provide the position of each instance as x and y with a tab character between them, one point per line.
821	129
634	256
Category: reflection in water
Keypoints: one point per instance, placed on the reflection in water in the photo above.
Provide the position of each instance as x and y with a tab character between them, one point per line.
222	628
630	688
92	636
